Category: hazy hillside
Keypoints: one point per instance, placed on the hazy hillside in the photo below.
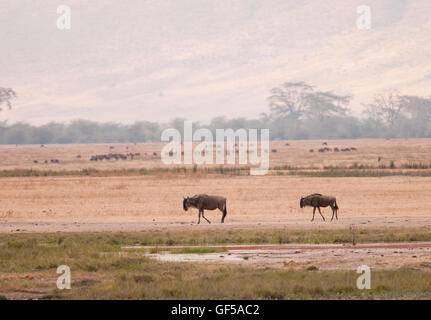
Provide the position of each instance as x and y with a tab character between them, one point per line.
155	60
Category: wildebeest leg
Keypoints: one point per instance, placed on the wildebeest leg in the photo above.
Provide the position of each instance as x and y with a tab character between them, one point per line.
318	208
336	209
333	211
199	220
314	211
204	216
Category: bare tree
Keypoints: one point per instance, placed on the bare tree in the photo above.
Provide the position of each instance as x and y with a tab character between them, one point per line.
6	95
386	107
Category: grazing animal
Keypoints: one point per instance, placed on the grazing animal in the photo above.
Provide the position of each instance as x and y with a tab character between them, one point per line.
317	200
204	201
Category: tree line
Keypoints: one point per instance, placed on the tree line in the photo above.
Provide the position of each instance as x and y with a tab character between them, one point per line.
296	111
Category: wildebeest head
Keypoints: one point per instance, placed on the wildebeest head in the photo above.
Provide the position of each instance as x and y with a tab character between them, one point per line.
186	204
301	202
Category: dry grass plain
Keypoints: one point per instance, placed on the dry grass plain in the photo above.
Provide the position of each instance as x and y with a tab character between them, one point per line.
134	202
297	154
80	218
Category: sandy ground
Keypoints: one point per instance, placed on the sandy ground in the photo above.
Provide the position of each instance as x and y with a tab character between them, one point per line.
323	257
50	204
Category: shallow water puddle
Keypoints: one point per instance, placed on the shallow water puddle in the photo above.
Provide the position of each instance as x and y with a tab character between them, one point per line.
197	257
383	256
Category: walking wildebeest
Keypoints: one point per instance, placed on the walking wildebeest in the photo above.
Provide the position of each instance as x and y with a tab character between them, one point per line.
204	201
316	200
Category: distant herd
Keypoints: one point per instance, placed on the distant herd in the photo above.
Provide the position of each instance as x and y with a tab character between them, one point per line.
326	149
114	156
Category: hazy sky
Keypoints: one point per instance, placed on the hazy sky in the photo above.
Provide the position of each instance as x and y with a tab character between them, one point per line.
155	60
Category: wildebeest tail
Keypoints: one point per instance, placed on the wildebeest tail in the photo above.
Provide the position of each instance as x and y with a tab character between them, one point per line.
224	213
336	206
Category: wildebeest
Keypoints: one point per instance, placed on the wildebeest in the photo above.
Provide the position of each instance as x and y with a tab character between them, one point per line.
317	200
204	201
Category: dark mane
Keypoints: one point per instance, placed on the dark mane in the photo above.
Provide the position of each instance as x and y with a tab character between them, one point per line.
312	195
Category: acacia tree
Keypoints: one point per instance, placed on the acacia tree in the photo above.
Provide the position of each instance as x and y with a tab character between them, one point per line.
321	105
289	100
6	95
297	100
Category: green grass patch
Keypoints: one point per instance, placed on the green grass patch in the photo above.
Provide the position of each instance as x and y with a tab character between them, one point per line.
102	269
341	173
355	170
